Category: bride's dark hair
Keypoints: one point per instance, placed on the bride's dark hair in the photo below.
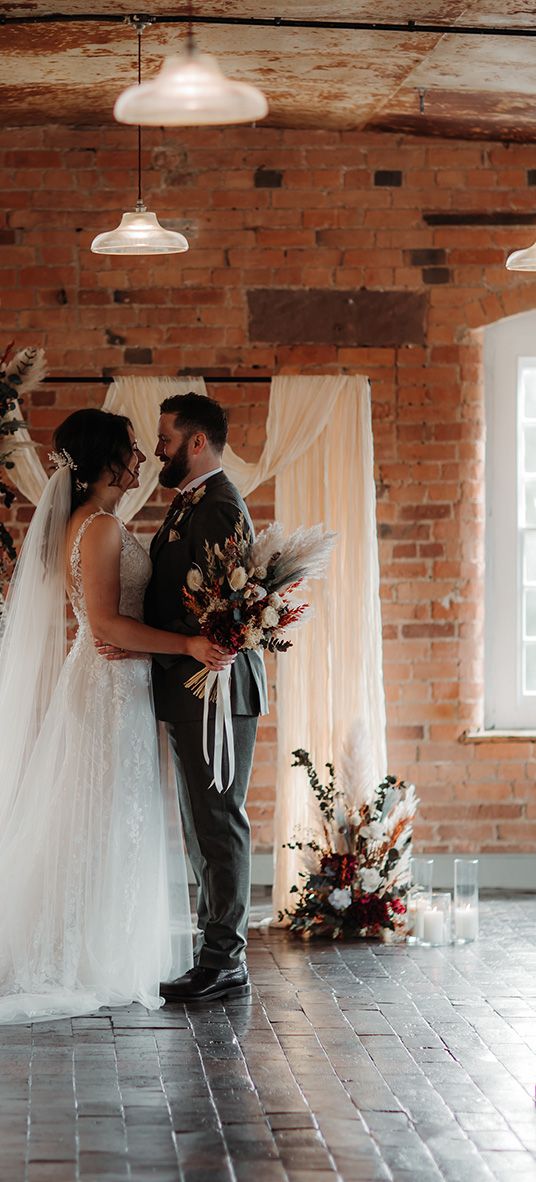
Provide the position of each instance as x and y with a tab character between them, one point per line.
95	440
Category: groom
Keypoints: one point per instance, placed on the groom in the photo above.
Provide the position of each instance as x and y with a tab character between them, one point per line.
192	433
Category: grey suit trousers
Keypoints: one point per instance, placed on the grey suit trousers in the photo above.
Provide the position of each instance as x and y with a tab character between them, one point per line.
217	833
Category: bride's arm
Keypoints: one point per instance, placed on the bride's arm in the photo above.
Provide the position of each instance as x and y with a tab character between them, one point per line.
100	555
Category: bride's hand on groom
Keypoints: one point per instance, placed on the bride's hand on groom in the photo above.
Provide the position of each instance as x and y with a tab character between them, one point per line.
112	653
199	647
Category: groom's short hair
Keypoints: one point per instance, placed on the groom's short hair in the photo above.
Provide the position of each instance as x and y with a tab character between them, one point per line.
196	412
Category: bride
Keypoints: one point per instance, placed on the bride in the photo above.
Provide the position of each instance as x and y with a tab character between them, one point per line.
93	895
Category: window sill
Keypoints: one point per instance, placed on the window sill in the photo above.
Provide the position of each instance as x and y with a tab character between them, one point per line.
497	736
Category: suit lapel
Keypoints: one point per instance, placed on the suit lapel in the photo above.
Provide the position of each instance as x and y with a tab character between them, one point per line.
162	536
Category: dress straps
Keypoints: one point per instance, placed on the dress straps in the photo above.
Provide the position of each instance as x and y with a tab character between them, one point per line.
75	549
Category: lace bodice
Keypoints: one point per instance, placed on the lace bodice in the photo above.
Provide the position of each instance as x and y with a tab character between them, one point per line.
135	572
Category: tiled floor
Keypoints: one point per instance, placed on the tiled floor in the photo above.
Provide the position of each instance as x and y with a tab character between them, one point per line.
357	1062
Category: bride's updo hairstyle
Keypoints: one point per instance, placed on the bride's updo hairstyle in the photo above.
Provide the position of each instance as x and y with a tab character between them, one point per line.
95	441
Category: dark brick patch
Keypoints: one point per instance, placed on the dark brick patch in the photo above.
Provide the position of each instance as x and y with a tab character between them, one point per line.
531	176
391	178
427	258
138	356
267	178
502	217
435	275
362	318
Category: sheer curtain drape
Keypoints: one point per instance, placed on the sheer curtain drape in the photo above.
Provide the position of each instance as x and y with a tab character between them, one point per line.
319	448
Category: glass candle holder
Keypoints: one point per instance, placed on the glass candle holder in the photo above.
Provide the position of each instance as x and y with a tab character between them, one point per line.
437	921
465	900
418	901
421	871
419	897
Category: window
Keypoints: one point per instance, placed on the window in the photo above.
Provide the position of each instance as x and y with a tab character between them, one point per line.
510	635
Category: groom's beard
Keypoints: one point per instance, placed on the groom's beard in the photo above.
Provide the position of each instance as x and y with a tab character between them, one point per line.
175	470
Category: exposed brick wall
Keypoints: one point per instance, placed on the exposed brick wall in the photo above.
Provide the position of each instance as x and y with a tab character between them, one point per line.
268	209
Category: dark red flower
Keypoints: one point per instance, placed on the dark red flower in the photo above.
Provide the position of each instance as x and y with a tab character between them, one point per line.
339	867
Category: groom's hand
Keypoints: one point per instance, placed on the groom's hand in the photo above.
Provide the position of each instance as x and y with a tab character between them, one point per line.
112	653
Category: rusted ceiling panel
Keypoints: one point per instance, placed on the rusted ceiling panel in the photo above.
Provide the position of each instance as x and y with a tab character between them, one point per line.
311	77
467	115
492	65
510	13
472	86
468	86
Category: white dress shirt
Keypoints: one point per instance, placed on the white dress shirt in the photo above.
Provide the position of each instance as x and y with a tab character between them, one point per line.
199	480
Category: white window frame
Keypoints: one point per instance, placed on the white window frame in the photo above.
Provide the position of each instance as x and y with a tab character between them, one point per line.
508	346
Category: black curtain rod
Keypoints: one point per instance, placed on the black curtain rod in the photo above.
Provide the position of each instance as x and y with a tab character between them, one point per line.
410	26
103	381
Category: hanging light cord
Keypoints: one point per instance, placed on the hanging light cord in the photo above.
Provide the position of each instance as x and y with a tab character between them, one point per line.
140	206
139	23
190	43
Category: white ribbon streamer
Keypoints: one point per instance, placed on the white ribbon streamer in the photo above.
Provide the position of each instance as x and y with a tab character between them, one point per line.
223	727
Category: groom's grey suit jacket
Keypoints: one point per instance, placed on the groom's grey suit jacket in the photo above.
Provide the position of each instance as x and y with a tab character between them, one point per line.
213	519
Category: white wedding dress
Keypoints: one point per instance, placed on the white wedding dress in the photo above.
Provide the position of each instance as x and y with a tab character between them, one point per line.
93	892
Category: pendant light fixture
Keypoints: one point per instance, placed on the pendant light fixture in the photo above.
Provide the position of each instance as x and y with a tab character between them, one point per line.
189	91
139	232
522	260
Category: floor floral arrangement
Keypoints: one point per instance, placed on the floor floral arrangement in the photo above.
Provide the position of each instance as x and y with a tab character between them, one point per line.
356	876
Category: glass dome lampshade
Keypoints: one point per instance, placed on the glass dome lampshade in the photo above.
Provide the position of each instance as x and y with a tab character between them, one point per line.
139	232
190	90
522	260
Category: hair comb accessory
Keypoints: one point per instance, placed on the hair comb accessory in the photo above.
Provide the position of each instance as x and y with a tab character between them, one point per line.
62	459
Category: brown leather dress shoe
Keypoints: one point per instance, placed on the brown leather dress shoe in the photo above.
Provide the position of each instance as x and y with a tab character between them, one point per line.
205	984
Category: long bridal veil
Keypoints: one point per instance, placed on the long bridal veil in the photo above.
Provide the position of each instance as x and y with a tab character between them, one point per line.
32	631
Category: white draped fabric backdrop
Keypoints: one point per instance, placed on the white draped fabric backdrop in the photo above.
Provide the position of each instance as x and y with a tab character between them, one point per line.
319	449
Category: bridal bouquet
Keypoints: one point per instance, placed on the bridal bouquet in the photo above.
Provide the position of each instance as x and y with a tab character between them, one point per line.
356	876
245	596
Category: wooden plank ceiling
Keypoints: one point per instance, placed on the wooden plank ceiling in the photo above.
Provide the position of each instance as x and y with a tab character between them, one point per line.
472	84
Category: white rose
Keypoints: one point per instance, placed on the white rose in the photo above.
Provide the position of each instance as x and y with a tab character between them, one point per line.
373	831
340	899
238	579
370	880
269	617
194	579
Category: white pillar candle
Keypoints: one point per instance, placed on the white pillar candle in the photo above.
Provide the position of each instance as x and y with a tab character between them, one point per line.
433	926
466	922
